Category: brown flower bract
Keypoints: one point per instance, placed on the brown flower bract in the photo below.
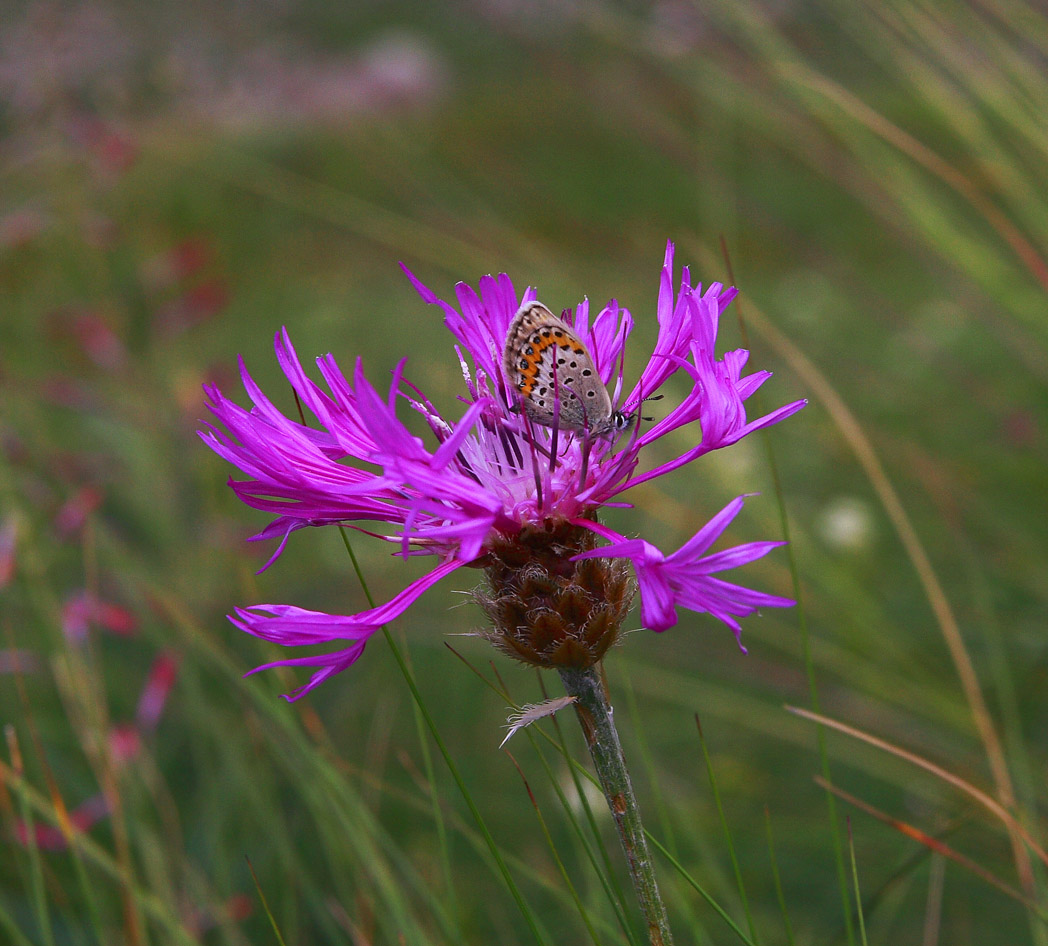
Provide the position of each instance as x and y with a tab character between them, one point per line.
547	610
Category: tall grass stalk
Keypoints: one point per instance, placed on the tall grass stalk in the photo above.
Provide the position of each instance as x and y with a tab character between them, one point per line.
478	818
728	840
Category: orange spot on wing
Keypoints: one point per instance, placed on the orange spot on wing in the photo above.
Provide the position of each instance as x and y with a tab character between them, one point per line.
530	373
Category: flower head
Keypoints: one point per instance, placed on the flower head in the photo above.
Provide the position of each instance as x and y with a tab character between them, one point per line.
495	489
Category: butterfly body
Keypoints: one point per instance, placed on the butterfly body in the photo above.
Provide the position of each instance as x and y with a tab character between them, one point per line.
550	370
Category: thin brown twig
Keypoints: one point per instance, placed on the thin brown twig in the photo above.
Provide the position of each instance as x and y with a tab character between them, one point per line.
933	844
875	122
976	794
846	422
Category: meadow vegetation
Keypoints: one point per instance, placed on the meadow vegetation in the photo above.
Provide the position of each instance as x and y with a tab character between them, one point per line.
179	185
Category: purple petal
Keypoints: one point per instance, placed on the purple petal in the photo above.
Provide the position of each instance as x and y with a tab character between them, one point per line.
638	551
293	626
739	555
708	534
657	600
329	664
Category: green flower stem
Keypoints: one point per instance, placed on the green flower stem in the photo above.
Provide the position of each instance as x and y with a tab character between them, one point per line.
595	714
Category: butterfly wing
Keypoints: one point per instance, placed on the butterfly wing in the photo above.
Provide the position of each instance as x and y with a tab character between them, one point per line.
545	361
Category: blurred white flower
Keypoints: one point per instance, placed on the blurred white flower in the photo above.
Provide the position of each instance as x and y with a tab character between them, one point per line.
846	524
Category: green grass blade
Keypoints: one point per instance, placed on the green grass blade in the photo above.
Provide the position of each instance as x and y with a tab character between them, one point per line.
855	886
565	876
265	904
431	725
701	891
36	870
779	895
612	892
609	873
740	886
7	923
661	809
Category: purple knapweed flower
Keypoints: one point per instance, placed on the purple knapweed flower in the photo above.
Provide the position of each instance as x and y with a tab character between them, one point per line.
497	490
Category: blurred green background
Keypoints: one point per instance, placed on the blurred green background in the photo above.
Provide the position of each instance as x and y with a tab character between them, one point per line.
180	181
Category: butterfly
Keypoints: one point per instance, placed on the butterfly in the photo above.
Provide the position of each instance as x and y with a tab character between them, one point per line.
545	362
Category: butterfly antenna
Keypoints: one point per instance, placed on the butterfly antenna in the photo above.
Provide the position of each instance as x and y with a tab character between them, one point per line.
650	397
636	426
